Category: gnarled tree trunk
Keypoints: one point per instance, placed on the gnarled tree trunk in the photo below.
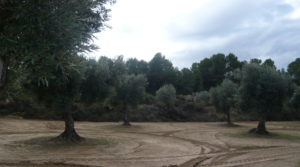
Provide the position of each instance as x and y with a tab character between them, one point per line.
261	128
70	133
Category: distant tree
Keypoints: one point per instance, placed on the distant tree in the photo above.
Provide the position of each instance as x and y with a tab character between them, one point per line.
224	97
136	67
95	86
166	95
161	71
107	61
205	73
255	61
263	91
270	63
232	64
185	81
294	70
129	92
209	72
118	67
218	69
198	85
202	97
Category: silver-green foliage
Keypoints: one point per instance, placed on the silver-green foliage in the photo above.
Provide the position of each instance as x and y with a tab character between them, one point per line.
166	95
263	89
202	97
129	89
224	96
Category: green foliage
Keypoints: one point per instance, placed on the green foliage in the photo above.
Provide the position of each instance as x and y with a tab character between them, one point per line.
211	72
185	81
161	71
45	37
270	63
232	62
262	90
224	97
129	90
63	88
136	67
202	97
294	70
118	67
295	100
166	95
96	84
256	61
37	33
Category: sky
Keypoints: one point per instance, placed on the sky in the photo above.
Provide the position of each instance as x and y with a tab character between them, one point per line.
190	30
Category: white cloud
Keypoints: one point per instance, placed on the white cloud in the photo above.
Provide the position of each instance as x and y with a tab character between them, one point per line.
187	31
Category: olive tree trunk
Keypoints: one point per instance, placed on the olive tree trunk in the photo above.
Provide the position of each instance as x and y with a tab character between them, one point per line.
3	74
69	133
261	128
126	119
228	118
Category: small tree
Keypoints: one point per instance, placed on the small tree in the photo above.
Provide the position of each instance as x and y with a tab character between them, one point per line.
166	95
263	91
129	92
224	97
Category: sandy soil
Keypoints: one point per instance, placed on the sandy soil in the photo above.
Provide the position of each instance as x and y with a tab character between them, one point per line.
149	145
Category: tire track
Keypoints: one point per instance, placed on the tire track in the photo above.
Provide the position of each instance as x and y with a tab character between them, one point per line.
226	159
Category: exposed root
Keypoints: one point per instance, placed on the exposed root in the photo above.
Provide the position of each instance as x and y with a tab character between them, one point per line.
259	132
126	123
71	136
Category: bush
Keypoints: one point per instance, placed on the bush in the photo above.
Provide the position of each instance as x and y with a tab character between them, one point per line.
166	96
202	97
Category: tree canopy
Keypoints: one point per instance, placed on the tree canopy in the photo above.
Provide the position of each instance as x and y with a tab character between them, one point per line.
263	91
294	70
224	97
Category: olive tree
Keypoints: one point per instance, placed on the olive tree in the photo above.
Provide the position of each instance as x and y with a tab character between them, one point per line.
224	97
45	38
166	95
129	92
262	91
96	82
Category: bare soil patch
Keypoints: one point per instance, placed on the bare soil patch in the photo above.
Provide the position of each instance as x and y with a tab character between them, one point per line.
27	143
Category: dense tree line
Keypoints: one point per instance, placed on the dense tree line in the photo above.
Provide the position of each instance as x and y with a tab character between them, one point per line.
120	86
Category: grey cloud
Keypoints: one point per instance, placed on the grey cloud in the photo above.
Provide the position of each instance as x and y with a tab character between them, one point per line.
253	29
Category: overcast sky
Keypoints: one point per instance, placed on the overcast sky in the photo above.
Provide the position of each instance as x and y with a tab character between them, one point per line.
190	30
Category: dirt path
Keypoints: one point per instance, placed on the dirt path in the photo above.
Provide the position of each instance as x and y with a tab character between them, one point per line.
146	145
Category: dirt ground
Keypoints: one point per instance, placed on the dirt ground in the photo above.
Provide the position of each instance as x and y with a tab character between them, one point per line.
150	145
